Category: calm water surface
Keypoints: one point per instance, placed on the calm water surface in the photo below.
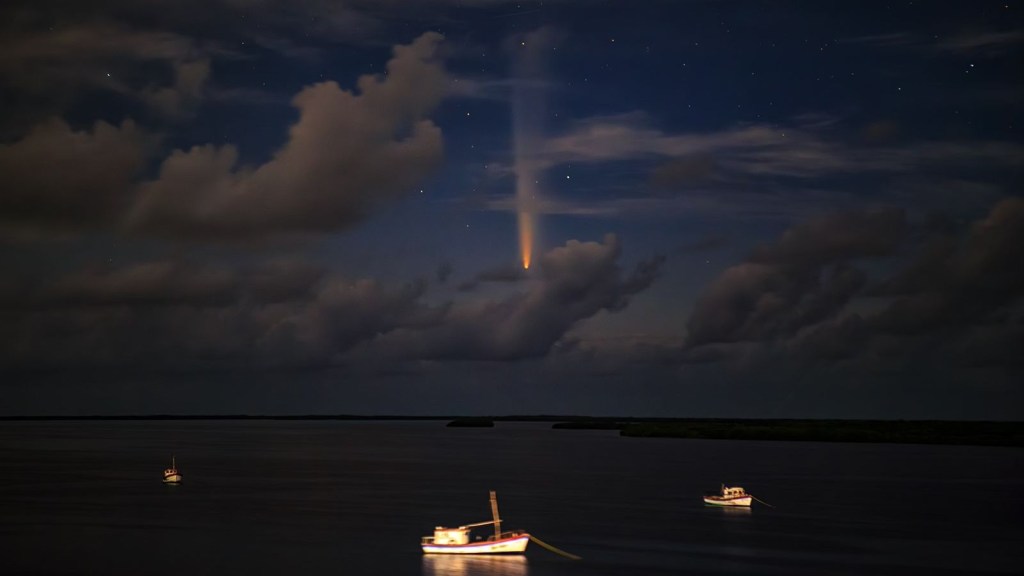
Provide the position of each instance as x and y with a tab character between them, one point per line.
263	497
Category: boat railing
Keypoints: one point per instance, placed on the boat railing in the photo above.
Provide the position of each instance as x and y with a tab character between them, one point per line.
427	540
504	535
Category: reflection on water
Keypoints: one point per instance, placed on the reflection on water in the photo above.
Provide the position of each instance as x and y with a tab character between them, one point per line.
736	510
468	565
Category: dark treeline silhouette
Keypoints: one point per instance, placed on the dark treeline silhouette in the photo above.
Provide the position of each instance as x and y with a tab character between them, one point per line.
966	432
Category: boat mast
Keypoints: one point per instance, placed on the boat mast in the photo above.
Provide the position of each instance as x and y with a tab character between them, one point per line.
494	512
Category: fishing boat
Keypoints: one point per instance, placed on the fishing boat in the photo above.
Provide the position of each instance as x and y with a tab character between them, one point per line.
171	475
729	496
457	540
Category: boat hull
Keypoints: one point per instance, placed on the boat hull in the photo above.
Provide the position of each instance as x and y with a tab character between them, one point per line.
515	545
718	501
172	479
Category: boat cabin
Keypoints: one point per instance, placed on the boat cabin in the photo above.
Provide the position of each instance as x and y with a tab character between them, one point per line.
733	491
450	536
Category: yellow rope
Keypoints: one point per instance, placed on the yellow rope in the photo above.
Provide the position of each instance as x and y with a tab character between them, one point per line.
762	501
553	549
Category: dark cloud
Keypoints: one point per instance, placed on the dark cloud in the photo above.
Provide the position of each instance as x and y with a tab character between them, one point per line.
953	314
570	284
281	280
341	315
507	273
55	54
173	315
49	67
347	153
74	56
143	285
168	284
176	315
955	282
837	237
57	176
799	280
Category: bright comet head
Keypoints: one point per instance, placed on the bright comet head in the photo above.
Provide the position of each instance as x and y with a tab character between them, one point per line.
526	233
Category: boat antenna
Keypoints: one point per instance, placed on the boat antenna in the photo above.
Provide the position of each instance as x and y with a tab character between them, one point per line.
494	512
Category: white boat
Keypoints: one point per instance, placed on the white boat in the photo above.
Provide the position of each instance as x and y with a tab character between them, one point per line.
457	540
171	475
729	496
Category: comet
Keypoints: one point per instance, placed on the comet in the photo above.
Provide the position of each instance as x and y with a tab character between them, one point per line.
526	186
527	113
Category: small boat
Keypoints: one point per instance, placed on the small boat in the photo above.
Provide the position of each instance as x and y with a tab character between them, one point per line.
729	496
171	475
457	540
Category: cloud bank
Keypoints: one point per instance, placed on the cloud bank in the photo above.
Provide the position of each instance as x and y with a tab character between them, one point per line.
179	315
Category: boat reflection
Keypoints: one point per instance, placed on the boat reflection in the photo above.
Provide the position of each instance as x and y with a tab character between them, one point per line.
468	565
735	510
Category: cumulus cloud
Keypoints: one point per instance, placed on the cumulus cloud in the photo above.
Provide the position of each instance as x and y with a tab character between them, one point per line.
801	279
148	284
573	283
74	179
341	315
802	300
956	283
507	273
170	283
347	153
289	313
177	315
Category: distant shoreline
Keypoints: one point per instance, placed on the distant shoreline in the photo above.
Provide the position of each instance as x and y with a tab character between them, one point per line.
945	432
506	418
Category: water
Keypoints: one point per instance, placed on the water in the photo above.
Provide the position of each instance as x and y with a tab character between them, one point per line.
263	497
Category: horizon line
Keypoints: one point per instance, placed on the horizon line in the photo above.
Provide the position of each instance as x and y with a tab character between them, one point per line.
505	418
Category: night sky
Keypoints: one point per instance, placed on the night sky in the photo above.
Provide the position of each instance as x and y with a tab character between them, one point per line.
650	208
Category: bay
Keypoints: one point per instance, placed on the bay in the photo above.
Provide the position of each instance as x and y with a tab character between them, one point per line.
354	497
